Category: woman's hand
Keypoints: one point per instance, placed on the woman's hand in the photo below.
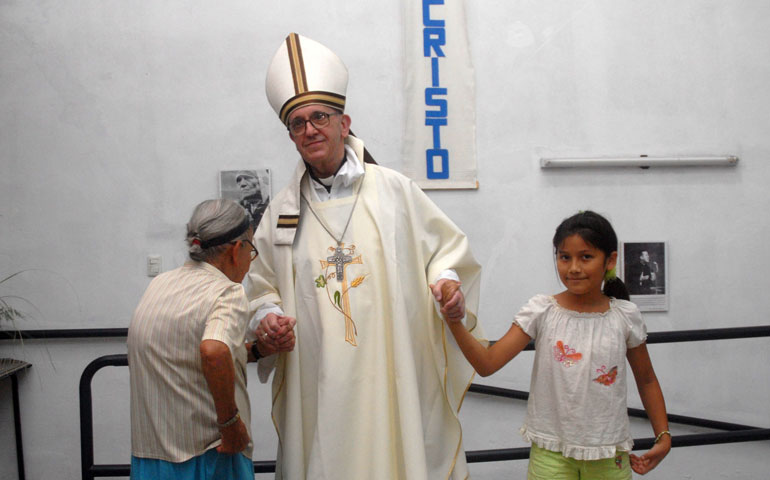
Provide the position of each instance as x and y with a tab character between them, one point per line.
234	438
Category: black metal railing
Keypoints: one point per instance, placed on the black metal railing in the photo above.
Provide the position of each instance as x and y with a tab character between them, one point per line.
89	469
732	432
63	333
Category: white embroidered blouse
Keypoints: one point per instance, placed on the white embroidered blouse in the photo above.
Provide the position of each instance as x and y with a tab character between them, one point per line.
577	401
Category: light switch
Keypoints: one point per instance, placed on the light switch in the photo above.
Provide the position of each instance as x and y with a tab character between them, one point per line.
154	265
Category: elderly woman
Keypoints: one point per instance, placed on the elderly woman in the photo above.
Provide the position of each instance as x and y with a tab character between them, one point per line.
187	353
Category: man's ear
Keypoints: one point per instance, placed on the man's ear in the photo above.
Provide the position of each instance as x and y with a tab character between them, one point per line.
345	122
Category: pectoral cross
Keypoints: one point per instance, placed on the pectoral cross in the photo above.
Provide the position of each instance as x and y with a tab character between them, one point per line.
341	261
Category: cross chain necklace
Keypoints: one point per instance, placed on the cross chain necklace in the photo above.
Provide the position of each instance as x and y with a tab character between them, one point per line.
338	251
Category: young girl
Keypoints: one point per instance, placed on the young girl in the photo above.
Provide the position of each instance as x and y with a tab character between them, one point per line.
577	419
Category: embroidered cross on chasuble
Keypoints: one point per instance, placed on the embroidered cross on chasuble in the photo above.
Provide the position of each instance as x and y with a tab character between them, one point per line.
342	257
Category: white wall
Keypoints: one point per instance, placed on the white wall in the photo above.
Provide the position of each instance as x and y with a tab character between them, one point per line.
116	117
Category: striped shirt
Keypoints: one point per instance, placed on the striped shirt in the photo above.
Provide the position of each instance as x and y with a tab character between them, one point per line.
172	410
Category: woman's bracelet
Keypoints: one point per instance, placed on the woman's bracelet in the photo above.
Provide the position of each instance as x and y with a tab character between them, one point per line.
664	432
235	418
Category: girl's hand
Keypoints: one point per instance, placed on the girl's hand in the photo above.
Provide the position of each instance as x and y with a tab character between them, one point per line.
652	458
450	297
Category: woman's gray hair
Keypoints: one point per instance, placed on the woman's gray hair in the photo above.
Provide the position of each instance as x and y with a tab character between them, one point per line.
211	221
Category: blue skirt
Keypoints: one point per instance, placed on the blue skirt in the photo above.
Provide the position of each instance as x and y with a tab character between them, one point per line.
211	465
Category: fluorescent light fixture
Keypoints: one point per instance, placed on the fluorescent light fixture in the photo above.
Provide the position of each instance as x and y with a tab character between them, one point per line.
641	162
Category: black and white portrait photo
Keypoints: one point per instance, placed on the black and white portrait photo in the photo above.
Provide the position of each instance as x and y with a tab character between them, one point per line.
644	273
251	188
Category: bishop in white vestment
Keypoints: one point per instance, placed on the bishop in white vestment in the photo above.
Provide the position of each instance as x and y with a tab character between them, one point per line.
374	385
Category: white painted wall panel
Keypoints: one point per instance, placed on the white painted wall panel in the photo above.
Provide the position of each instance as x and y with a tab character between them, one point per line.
116	117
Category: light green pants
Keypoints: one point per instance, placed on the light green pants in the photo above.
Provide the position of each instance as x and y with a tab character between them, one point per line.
548	465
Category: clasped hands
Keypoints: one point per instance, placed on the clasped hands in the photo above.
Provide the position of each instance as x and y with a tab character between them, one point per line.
448	294
275	334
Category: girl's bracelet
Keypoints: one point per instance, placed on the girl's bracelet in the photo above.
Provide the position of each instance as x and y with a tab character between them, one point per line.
664	432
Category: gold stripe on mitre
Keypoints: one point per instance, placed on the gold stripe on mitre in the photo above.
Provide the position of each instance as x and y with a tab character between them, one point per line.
297	64
324	98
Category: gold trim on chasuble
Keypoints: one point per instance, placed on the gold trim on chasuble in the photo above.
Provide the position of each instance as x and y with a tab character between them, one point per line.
465	391
302	95
340	258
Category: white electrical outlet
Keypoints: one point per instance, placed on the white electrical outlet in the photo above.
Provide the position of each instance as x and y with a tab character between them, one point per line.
154	265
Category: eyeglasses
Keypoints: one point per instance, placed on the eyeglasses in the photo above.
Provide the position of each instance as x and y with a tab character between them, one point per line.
317	119
253	253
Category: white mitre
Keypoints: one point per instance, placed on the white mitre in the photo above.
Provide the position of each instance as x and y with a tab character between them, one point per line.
304	72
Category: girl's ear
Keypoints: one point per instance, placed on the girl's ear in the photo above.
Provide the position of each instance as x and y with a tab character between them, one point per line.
612	261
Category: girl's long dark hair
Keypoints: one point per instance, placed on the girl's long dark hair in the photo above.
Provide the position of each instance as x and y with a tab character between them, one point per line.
597	231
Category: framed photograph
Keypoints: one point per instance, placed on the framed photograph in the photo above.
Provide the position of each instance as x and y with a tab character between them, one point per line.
250	188
644	270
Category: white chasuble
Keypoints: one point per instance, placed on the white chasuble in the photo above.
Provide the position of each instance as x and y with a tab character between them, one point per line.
374	384
346	355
